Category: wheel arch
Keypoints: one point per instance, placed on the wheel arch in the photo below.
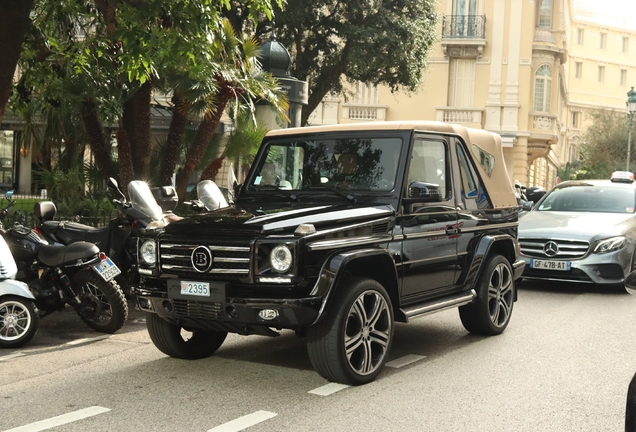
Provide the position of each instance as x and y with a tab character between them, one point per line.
501	244
375	264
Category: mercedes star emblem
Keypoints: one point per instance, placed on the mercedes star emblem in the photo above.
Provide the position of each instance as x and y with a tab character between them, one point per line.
551	249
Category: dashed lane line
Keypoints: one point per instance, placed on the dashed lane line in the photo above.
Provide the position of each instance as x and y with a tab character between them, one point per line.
328	389
244	422
11	356
60	420
87	340
403	361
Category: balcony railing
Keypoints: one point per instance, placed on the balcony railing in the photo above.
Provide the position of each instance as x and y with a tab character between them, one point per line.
364	112
468	116
464	27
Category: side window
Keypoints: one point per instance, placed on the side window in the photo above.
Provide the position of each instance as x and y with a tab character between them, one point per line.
473	194
429	164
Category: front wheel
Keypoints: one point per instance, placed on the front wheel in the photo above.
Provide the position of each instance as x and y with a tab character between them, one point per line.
351	344
103	306
18	321
491	311
170	340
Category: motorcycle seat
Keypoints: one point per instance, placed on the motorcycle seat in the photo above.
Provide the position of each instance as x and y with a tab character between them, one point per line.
55	256
71	232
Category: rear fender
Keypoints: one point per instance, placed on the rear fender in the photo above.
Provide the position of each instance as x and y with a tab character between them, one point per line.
16	288
373	263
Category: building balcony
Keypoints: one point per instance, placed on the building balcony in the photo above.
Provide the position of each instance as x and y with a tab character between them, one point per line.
364	112
463	35
544	132
466	116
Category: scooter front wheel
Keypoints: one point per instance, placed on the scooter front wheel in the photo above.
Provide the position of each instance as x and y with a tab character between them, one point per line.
103	306
18	321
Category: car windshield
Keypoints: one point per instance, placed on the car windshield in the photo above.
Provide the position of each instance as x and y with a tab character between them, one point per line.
598	199
351	164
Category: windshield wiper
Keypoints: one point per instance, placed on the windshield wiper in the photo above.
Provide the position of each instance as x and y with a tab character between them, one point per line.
336	191
276	188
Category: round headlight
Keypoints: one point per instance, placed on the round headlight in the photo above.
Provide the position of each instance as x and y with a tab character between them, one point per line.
147	252
281	258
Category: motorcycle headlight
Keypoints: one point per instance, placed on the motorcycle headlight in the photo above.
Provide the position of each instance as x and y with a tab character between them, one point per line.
610	245
148	252
281	258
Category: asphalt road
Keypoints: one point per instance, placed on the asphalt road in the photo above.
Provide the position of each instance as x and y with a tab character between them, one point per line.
563	364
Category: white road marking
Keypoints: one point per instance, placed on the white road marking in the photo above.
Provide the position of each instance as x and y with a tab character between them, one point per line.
87	340
60	420
244	422
10	356
406	360
328	389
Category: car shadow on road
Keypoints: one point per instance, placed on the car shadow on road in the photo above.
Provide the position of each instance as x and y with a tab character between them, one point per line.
570	287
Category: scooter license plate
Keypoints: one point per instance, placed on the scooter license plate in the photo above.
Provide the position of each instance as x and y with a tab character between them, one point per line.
106	269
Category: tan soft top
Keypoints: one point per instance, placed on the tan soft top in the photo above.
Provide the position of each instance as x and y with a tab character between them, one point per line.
497	184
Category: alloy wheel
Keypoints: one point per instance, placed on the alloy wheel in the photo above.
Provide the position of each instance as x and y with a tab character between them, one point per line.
15	320
500	292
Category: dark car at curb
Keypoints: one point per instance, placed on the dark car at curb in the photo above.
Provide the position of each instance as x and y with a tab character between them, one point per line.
337	233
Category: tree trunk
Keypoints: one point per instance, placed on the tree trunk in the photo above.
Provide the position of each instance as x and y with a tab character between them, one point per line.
14	21
96	139
204	134
128	124
213	169
142	128
126	172
173	143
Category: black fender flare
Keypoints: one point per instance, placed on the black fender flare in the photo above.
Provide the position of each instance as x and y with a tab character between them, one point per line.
505	244
335	266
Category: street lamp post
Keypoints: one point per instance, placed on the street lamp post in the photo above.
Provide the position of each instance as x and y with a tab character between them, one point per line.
631	109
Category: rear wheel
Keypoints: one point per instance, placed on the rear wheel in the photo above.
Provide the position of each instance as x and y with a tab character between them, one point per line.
170	340
18	321
351	344
491	311
103	306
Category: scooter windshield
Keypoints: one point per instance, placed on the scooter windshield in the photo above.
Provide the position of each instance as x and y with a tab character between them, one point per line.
142	200
210	195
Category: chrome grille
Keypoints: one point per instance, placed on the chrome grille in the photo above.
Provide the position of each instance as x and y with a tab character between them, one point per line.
195	309
566	249
228	260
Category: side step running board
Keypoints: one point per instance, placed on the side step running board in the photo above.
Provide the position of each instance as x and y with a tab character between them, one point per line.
418	310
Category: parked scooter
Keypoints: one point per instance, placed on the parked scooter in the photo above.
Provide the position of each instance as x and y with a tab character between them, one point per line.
78	275
19	320
119	239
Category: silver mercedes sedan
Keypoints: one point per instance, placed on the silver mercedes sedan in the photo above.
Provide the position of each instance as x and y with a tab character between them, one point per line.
581	231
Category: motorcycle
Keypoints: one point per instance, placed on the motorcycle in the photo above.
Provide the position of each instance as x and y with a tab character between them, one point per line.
19	320
209	196
78	275
119	239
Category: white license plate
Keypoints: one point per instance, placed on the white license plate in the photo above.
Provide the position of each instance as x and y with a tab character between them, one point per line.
195	288
107	269
550	265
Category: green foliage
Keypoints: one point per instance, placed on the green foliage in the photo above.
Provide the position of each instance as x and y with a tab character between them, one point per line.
604	148
243	142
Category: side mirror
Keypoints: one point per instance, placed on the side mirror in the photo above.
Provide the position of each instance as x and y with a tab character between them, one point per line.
8	194
630	283
424	192
112	183
527	206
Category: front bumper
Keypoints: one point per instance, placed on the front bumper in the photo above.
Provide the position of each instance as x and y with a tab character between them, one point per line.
518	267
236	315
609	268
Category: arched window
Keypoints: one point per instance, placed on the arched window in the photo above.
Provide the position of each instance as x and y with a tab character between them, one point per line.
545	14
542	86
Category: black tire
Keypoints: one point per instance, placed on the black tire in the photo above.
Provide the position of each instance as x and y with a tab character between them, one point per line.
490	313
19	321
103	305
350	345
168	339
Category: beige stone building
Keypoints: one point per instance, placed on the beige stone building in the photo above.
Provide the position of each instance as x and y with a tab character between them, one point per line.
526	69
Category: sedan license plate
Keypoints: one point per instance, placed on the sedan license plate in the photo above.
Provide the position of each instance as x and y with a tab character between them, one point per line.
550	265
106	269
195	288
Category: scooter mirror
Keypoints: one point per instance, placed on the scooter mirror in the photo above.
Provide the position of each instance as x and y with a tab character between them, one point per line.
112	183
8	194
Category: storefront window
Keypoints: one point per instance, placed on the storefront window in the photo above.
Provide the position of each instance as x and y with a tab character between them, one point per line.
6	158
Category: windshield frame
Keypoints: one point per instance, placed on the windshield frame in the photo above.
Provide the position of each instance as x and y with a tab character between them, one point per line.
248	191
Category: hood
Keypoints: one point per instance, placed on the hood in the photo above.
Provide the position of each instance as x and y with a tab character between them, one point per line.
269	219
574	225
